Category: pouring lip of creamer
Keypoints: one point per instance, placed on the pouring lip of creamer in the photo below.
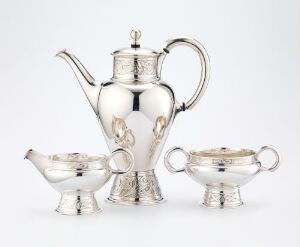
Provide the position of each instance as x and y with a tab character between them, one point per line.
222	171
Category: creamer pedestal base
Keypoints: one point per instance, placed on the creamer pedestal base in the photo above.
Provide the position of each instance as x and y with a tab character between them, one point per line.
77	203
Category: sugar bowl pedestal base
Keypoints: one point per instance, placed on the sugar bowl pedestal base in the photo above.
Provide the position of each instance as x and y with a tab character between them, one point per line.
77	203
222	197
136	188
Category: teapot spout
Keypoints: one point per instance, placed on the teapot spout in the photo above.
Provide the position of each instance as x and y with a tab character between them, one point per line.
40	161
86	81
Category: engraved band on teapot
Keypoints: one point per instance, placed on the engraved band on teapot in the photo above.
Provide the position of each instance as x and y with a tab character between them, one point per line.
135	68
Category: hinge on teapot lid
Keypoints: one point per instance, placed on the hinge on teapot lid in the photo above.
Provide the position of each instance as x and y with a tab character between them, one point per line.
135	35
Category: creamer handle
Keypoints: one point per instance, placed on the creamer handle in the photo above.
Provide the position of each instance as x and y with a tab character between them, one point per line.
128	154
168	154
277	158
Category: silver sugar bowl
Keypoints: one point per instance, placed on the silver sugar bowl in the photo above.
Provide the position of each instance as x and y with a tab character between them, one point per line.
222	171
77	176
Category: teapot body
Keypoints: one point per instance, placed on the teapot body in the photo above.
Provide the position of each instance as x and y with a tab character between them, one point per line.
137	117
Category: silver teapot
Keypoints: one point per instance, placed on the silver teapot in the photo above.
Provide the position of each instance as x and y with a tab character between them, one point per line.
136	109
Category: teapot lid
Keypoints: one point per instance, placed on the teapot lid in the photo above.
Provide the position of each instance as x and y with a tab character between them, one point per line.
135	49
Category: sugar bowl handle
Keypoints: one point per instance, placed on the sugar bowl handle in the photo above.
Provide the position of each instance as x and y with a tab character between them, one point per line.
204	59
128	156
168	164
277	158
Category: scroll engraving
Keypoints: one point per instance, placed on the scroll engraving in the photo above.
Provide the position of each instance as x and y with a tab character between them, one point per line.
142	66
141	185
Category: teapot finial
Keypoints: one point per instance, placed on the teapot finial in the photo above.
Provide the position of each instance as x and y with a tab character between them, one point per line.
135	34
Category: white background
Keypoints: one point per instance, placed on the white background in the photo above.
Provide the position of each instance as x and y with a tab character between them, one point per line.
252	100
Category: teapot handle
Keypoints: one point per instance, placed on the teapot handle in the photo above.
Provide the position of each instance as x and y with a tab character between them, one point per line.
204	59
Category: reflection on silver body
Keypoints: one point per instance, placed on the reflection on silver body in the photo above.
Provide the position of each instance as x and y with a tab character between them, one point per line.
77	177
222	171
136	110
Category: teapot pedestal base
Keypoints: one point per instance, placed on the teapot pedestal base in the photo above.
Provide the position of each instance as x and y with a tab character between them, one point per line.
77	203
222	197
136	188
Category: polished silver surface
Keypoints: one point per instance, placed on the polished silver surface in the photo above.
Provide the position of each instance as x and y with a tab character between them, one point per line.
222	171
135	35
77	176
136	109
204	60
139	188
